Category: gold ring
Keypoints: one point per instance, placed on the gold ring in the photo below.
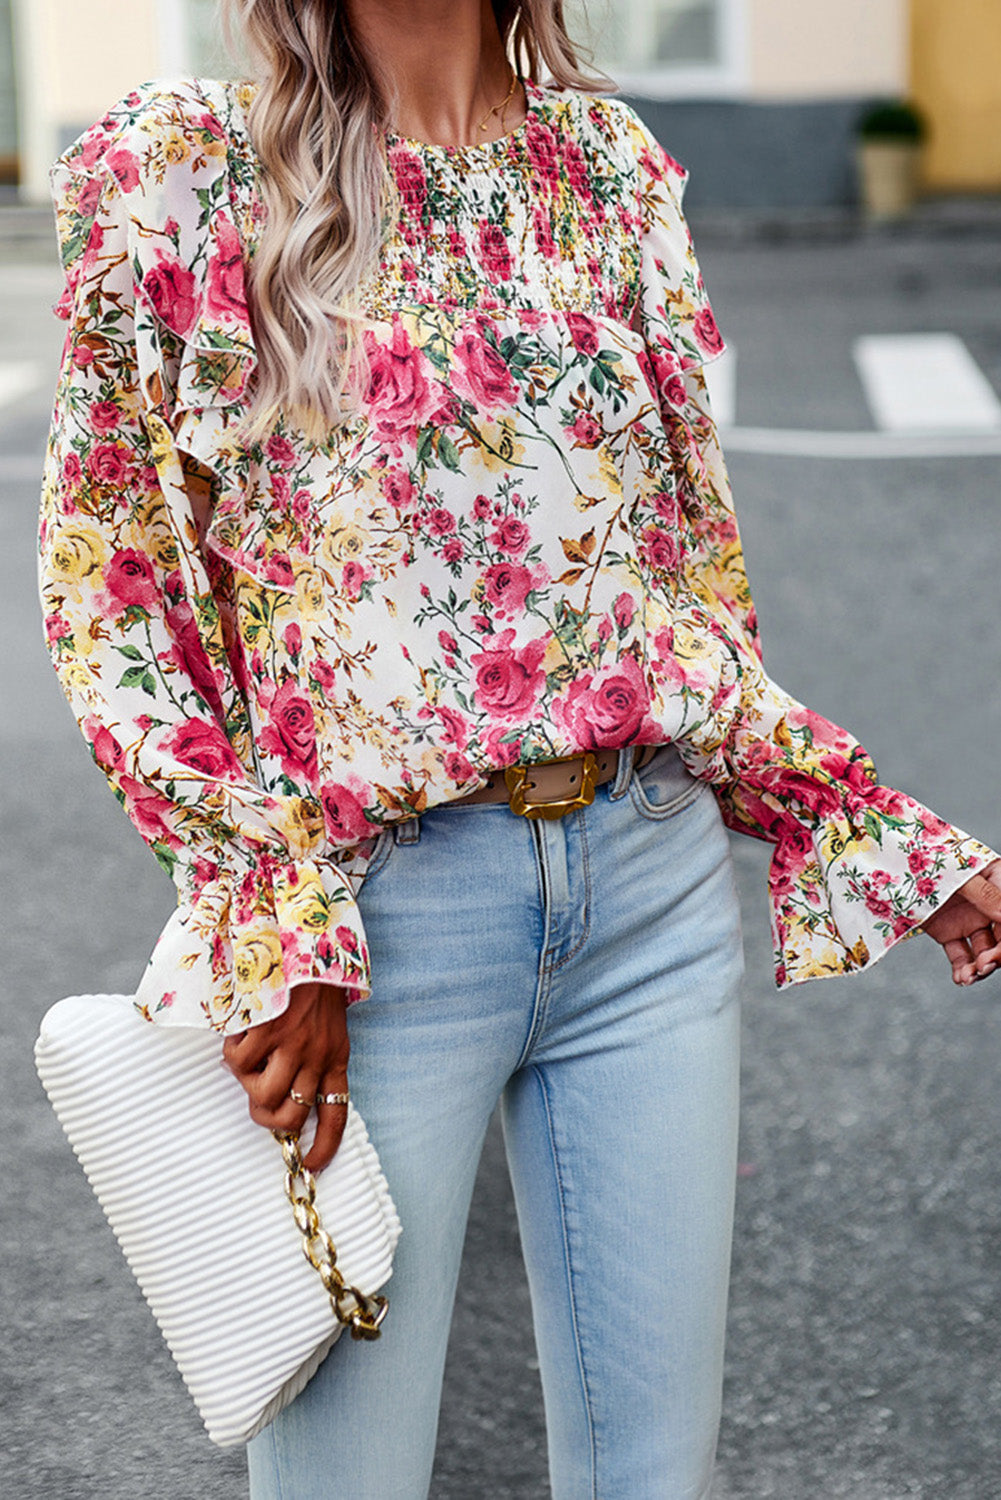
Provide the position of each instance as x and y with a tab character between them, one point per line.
300	1099
332	1098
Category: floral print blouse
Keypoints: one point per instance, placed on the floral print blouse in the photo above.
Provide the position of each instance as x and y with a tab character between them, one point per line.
522	547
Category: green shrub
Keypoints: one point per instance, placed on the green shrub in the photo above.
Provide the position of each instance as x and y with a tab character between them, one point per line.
892	119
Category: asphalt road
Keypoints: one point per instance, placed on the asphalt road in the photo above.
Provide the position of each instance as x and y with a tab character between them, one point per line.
864	1323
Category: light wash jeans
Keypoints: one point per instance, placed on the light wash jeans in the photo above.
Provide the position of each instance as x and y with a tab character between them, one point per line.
585	972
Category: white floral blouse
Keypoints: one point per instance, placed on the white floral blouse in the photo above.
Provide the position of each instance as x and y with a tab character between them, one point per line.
523	547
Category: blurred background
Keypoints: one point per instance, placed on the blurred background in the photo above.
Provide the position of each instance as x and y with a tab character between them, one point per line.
860	405
763	95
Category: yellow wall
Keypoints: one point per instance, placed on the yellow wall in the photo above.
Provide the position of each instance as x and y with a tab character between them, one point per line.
814	49
74	59
956	78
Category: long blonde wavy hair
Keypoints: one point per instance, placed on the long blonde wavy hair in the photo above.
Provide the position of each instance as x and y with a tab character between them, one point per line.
317	122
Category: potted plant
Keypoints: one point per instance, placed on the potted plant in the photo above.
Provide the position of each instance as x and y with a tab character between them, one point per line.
890	135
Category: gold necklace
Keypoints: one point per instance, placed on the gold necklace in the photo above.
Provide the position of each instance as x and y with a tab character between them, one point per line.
502	106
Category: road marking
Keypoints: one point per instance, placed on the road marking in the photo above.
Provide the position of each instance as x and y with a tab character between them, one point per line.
17	378
721	382
917	381
796	442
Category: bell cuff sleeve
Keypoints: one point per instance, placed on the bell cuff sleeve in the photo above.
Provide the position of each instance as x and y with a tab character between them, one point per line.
857	865
133	627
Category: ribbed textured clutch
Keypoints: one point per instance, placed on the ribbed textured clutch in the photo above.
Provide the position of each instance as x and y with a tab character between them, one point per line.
195	1195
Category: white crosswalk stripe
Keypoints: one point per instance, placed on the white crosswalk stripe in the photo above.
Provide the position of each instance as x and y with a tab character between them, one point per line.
18	378
921	382
721	381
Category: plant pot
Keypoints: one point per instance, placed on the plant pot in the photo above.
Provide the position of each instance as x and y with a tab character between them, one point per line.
888	177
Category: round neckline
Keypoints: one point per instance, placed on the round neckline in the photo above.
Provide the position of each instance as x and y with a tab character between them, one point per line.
483	150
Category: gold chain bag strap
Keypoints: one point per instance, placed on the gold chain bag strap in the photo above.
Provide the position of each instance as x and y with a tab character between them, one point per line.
362	1314
247	1330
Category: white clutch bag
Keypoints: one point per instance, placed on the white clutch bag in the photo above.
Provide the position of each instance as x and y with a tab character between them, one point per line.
199	1201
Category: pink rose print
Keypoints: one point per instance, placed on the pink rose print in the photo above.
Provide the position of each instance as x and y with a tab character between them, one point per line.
512	535
507	682
609	710
129	579
542	228
707	332
72	469
203	746
104	417
410	179
125	166
587	431
107	751
494	252
403	394
624	608
584	332
291	732
508	586
150	811
659	549
398	488
225	293
109	463
345	813
280	451
542	151
188	653
453	551
440	521
455	727
481	375
457	767
482	508
502	752
170	288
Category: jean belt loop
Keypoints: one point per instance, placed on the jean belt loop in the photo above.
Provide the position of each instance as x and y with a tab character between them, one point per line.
409	831
623	775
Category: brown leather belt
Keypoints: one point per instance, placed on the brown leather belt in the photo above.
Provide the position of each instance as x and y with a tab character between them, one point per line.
560	785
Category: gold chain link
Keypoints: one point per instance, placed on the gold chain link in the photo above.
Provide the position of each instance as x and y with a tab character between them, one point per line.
362	1314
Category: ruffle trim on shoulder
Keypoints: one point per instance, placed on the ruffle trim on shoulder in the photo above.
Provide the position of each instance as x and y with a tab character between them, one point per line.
166	146
672	308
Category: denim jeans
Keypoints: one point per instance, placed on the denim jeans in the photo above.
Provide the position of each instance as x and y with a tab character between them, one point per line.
585	973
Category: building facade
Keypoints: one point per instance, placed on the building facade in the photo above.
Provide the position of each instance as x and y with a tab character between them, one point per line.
759	98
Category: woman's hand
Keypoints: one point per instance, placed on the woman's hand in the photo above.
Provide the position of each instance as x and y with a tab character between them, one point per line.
968	926
306	1049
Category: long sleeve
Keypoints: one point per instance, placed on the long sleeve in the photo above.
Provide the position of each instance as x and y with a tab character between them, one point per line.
134	629
857	865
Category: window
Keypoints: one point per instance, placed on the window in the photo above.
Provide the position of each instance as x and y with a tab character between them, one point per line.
665	48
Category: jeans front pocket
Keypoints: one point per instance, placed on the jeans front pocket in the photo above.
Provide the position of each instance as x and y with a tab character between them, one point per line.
664	786
385	843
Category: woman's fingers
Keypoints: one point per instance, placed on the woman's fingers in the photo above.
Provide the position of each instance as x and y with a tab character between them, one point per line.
287	1114
331	1120
984	895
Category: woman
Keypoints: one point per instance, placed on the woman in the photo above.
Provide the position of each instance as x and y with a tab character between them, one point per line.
383	507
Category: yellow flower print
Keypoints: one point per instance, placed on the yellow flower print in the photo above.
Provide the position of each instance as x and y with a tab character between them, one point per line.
498	449
175	148
77	555
257	962
305	826
342	544
162	450
825	961
302	902
607	475
76	678
309	594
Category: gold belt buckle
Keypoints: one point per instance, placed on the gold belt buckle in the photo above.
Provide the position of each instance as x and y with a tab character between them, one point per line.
515	776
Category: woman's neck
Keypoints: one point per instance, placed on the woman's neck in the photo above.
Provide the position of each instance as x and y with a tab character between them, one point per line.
442	65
